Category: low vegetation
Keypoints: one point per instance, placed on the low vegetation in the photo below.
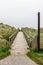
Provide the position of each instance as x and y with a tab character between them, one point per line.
7	35
31	37
4	52
36	56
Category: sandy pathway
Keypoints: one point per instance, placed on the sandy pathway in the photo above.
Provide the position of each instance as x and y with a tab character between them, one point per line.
19	45
18	51
17	60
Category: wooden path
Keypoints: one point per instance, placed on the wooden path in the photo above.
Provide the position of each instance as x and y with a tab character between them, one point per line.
18	52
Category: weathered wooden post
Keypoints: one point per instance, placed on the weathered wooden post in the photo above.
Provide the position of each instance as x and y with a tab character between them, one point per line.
38	31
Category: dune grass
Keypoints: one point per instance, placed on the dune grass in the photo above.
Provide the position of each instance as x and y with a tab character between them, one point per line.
36	56
5	32
33	54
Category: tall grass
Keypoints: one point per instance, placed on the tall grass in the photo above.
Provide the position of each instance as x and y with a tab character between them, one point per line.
31	37
6	32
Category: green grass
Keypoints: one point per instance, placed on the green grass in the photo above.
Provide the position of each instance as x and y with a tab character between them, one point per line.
31	34
41	40
4	43
6	32
4	53
35	56
31	39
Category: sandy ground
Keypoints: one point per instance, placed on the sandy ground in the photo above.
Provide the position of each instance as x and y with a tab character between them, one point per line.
18	53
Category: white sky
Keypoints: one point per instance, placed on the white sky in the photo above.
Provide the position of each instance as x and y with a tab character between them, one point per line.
21	13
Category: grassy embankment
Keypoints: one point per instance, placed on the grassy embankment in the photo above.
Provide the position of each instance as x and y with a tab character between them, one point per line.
7	35
31	37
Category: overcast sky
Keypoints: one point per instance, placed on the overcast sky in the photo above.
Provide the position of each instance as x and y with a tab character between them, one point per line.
21	13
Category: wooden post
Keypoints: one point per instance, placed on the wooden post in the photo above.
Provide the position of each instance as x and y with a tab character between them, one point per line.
38	31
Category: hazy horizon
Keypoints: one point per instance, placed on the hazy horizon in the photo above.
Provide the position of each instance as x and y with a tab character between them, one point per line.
21	13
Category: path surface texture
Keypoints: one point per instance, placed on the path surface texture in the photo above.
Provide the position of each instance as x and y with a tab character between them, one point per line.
19	46
18	52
